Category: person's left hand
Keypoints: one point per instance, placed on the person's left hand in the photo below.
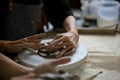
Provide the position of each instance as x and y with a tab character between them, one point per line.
17	45
66	43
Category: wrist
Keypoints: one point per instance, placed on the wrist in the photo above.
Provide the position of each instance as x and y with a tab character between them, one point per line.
75	33
26	71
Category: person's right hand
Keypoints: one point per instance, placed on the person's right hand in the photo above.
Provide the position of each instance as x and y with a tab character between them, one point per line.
17	45
44	69
50	67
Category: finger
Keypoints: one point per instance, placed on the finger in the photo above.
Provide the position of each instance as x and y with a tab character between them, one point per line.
14	42
71	52
63	45
65	51
58	36
22	46
42	46
24	40
27	44
37	36
37	41
31	75
38	46
58	41
53	45
60	61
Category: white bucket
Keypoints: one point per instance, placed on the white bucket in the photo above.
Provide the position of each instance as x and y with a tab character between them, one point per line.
108	14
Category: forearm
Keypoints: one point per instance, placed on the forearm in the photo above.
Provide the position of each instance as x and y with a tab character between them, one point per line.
70	24
2	47
9	68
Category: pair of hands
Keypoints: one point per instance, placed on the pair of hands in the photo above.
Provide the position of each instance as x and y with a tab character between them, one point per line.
65	42
46	68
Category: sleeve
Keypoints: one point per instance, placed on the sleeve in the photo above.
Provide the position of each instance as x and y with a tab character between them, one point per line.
57	11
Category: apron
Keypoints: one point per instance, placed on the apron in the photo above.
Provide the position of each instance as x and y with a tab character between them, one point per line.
22	21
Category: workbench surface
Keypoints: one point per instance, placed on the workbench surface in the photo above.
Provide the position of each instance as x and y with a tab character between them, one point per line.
103	58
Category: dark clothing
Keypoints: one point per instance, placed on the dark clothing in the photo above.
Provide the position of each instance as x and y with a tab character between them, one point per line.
3	16
28	2
56	10
22	21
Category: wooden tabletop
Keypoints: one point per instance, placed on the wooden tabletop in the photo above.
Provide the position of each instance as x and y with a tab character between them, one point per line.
103	61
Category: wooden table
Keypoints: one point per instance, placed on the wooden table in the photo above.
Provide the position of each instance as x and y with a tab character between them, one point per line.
103	61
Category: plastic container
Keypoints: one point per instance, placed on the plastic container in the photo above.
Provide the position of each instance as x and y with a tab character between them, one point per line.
89	8
108	14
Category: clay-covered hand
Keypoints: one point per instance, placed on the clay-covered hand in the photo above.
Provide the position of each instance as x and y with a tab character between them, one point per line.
17	45
66	43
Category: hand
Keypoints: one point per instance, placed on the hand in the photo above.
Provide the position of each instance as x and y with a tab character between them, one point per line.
41	70
16	46
50	67
65	42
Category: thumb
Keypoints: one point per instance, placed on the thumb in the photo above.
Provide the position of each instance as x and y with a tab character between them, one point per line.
60	61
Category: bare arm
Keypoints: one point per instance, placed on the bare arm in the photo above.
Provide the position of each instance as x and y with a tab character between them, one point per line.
9	68
70	25
17	45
